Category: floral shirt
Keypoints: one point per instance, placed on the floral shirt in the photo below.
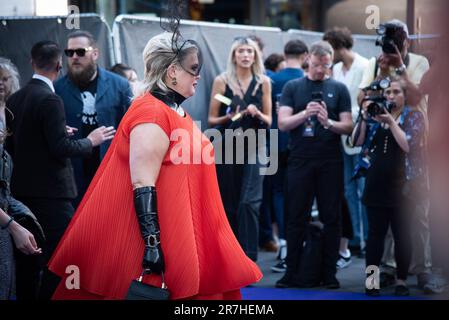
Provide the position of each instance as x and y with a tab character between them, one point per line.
415	159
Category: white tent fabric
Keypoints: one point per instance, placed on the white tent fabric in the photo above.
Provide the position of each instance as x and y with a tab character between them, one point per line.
130	34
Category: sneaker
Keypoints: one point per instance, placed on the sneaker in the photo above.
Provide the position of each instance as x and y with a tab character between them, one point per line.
332	283
343	262
386	279
372	292
279	267
430	284
401	291
285	282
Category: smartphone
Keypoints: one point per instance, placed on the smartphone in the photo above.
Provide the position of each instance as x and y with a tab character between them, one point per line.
317	96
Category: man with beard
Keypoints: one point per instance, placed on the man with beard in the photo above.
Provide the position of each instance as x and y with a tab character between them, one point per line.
93	97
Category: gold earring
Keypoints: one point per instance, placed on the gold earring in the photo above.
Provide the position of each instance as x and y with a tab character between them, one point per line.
174	82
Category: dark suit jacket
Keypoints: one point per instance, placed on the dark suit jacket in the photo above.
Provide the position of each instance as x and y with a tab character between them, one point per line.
39	145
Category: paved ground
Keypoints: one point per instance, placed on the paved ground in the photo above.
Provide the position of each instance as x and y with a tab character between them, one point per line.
352	278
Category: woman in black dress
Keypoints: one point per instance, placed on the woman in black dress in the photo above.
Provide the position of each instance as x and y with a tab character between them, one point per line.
245	84
391	154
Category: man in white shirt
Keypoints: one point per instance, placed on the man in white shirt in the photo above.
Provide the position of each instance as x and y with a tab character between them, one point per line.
349	67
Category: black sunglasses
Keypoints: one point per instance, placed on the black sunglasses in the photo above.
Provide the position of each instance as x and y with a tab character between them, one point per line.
242	39
196	68
79	52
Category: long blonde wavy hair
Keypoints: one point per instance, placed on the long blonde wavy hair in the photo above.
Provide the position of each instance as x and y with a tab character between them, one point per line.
257	67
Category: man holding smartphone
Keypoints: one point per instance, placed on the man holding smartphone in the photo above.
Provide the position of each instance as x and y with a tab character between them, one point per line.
315	166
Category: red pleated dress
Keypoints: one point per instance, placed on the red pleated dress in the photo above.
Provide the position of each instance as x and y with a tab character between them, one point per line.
203	259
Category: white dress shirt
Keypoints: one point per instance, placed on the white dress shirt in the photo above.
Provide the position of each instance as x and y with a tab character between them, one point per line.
45	79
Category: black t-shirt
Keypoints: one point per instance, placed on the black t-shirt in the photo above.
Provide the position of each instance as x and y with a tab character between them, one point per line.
90	123
386	177
325	143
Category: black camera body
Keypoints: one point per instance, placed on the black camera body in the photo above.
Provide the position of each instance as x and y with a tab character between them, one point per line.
378	101
377	105
390	35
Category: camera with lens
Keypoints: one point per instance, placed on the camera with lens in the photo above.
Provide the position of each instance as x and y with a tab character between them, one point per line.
390	34
377	99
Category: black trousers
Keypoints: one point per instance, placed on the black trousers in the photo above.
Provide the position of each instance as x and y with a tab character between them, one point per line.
307	179
379	219
54	216
346	224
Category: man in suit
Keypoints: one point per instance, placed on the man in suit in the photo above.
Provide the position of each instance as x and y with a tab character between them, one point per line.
93	97
41	149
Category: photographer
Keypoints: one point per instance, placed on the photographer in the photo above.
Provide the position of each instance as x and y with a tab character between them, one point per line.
391	133
396	60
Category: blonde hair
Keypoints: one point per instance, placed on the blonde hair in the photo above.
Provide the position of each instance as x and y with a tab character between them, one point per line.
8	66
158	55
257	67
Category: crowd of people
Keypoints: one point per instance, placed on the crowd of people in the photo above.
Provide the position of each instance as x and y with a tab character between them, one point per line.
94	183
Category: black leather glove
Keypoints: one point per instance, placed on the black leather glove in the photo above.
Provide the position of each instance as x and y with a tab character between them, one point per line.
146	210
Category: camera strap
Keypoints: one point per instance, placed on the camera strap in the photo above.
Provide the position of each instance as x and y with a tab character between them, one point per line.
365	159
376	69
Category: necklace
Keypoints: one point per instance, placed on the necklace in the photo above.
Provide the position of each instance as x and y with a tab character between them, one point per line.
385	144
240	87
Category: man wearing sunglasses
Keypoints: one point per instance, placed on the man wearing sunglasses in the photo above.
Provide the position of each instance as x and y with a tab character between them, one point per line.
93	97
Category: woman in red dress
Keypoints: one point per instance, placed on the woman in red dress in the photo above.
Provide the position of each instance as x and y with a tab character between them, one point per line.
182	230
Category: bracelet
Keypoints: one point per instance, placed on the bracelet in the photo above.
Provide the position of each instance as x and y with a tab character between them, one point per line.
11	219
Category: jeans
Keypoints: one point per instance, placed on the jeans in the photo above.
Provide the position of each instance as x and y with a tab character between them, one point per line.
421	259
353	195
273	205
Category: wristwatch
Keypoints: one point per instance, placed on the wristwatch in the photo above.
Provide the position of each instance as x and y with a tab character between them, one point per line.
329	124
364	115
400	70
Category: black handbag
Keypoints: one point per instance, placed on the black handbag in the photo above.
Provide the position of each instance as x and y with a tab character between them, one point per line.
142	291
27	220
